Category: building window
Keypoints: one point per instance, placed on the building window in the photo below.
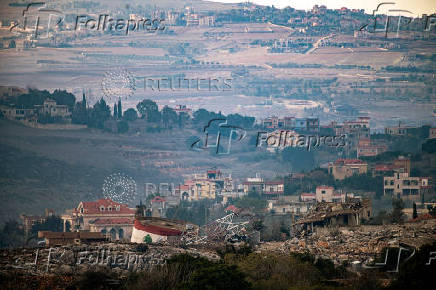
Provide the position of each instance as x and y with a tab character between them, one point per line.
101	208
117	208
109	208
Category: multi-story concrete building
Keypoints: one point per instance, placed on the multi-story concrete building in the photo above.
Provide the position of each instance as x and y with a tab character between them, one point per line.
289	205
12	113
399	130
30	220
207	21
207	185
307	125
370	149
268	189
327	194
197	189
343	168
404	186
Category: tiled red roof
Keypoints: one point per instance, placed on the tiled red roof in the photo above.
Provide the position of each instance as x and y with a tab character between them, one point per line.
158	199
232	208
183	187
156	229
308	194
324	187
273	182
384	167
114	221
349	161
93	207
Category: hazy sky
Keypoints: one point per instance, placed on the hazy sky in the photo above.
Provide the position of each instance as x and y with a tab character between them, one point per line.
415	6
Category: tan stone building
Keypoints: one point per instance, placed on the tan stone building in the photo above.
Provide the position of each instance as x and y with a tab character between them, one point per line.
432	133
343	168
207	185
51	108
104	215
198	189
404	186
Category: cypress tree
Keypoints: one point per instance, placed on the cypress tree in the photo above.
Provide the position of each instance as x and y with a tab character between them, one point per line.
120	110
84	102
115	111
415	213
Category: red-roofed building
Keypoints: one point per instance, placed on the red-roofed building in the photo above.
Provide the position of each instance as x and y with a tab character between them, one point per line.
103	215
232	208
182	109
308	197
343	168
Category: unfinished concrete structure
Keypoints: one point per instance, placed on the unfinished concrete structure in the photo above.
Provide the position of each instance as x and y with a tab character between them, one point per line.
324	214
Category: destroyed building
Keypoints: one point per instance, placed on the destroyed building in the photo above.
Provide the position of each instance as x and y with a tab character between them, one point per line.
324	214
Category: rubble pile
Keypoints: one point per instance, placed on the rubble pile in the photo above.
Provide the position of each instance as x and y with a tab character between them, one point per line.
323	210
69	259
360	243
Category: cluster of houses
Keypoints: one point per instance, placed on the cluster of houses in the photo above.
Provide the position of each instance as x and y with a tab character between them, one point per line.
49	108
115	220
358	133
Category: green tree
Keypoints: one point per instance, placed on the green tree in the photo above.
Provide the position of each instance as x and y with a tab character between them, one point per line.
251	202
183	118
298	158
130	115
80	112
122	127
415	213
397	215
99	114
11	235
148	110
169	117
63	97
218	276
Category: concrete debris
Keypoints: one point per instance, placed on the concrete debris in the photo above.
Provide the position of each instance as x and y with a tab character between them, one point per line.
361	243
